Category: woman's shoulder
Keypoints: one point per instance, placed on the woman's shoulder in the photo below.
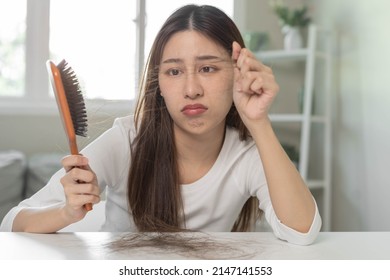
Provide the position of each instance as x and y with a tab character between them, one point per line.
238	152
126	125
117	138
126	122
233	143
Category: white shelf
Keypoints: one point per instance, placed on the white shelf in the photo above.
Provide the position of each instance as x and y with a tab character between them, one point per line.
290	55
286	117
282	55
315	184
295	118
306	119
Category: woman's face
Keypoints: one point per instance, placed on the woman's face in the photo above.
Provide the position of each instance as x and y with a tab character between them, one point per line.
196	82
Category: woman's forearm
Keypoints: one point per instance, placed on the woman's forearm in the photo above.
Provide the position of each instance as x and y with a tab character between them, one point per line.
291	199
41	220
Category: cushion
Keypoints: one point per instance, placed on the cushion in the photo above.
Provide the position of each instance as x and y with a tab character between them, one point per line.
12	174
40	169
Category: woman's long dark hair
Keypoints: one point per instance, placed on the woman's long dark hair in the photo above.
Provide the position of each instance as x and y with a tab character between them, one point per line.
153	187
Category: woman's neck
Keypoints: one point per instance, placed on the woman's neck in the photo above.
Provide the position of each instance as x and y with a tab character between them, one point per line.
196	154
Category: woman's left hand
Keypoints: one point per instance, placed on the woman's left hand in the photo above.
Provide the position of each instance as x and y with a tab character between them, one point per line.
254	86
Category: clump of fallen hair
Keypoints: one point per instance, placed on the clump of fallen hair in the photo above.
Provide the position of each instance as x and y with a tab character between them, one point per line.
189	245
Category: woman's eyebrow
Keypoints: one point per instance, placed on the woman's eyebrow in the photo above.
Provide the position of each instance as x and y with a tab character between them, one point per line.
173	60
198	58
209	57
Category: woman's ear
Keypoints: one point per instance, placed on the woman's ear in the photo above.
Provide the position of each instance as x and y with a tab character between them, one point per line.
159	92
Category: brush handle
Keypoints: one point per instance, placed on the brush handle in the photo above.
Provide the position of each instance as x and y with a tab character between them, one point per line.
87	206
75	151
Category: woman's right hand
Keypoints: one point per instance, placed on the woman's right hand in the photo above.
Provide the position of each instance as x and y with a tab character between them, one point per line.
80	186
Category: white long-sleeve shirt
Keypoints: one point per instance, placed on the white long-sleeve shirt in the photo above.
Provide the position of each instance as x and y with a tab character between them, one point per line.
212	203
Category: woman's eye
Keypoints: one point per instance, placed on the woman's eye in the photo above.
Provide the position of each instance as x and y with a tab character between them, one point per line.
207	69
173	72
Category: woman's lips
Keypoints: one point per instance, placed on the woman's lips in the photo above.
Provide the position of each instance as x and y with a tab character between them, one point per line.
193	109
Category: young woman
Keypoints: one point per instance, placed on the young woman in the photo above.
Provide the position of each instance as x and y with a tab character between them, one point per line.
199	154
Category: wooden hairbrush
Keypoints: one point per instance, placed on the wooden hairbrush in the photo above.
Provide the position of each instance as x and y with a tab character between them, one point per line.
70	103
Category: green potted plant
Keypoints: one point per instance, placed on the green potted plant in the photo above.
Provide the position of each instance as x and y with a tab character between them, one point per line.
292	21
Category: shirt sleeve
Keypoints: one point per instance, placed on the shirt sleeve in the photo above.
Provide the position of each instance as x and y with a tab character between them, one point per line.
282	231
258	187
106	158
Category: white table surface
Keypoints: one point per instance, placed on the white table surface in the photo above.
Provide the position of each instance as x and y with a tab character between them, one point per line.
257	245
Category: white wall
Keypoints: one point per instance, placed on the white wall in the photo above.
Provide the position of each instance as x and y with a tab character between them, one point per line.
362	112
33	133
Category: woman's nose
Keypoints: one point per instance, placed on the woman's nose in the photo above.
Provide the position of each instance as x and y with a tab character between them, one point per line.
193	88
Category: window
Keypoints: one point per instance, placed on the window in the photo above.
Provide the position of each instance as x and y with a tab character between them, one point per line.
98	40
12	42
105	42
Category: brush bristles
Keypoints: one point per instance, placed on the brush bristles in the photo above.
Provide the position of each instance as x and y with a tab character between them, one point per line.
74	97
